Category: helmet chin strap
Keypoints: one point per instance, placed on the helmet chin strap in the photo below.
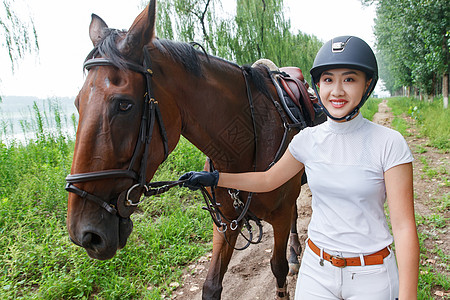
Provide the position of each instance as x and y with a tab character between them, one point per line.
354	112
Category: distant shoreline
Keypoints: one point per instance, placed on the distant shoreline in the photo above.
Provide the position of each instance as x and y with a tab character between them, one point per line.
18	117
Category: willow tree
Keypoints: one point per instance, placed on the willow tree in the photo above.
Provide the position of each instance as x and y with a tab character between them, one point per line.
261	30
18	34
257	29
189	21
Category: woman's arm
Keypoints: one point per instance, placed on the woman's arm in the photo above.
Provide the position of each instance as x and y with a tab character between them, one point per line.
260	182
400	197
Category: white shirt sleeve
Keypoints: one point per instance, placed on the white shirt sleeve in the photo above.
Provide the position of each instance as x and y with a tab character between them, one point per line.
396	151
296	146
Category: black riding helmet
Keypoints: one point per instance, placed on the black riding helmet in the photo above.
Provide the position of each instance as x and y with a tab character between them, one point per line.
345	52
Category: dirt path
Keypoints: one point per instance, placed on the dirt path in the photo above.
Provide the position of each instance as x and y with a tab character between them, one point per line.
249	275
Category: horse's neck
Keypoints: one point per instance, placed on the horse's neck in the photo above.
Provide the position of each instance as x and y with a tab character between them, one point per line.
214	112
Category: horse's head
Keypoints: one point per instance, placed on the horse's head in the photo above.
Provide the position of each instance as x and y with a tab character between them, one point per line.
120	139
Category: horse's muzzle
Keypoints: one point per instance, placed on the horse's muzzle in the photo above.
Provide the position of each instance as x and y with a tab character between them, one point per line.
104	245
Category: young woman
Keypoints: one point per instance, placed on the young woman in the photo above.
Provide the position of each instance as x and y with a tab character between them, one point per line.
352	165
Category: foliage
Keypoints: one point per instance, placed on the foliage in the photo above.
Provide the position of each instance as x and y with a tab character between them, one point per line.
37	260
430	278
228	36
431	119
412	42
370	108
20	36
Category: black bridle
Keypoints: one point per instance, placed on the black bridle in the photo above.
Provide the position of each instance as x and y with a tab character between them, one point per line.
129	199
151	113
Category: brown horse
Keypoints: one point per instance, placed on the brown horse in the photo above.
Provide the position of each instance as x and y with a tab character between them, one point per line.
129	123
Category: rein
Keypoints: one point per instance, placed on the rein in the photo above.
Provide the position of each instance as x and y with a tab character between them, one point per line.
242	208
124	206
151	114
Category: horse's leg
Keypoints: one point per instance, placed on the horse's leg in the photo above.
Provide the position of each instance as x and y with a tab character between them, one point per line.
295	249
278	261
221	255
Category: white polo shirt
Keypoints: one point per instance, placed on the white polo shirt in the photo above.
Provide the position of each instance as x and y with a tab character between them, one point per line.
345	164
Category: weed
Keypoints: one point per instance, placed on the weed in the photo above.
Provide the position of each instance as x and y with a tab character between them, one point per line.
432	120
415	113
428	279
432	173
37	260
401	126
370	108
443	204
420	149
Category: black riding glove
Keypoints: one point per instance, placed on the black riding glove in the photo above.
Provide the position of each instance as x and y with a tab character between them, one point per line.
198	179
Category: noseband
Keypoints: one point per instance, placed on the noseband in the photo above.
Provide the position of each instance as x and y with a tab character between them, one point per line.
124	205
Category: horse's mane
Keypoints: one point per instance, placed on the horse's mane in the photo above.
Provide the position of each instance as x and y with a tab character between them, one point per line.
260	77
107	47
183	53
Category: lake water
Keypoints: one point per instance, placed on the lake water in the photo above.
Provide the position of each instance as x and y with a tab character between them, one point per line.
19	117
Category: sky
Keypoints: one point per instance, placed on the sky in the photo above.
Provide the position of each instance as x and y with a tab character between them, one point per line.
63	35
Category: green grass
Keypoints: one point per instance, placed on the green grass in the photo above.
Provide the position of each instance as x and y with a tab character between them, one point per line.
420	149
443	204
430	277
401	126
432	120
37	260
370	108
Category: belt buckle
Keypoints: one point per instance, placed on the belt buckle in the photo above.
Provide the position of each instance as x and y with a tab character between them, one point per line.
336	261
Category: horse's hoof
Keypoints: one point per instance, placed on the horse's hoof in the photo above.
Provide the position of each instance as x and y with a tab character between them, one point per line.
285	297
282	293
293	269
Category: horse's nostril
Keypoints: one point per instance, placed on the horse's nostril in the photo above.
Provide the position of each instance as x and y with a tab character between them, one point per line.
91	240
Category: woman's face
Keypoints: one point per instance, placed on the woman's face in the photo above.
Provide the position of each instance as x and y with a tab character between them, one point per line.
341	90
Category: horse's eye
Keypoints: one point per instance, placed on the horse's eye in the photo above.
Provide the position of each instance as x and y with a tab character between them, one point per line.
125	106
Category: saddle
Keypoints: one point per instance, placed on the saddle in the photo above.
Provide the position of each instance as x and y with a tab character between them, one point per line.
298	100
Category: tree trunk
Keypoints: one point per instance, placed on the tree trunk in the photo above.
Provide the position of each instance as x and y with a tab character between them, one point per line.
445	89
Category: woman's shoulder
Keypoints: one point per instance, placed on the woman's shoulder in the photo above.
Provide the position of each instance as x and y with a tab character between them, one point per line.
310	132
383	131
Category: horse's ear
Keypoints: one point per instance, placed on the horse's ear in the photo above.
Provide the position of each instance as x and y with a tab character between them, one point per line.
141	32
96	29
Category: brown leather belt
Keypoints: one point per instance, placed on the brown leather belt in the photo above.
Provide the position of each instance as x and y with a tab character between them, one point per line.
341	262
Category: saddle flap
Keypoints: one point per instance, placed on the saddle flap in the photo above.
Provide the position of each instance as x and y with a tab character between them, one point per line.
297	98
293	72
297	88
